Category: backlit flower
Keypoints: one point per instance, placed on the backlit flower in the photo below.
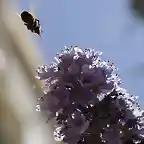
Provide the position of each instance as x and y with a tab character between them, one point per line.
83	93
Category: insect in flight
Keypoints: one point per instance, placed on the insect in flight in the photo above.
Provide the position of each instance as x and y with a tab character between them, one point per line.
31	22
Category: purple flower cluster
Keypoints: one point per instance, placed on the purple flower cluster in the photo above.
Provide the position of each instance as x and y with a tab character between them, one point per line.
84	94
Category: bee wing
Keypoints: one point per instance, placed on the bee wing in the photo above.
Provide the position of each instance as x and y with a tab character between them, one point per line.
32	11
34	5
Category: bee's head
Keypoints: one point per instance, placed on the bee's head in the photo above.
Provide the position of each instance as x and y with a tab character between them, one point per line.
26	16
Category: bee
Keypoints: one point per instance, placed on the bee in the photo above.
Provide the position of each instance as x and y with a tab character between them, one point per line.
31	22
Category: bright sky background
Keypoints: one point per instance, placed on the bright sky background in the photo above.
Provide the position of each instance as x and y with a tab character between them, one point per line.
106	25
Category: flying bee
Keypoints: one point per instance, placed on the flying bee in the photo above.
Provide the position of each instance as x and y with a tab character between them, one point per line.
32	23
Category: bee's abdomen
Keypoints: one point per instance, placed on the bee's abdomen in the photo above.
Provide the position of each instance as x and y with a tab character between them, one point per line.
27	17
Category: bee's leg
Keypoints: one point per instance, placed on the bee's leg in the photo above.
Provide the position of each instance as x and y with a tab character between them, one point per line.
25	24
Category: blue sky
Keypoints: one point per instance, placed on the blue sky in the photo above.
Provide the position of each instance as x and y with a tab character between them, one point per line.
107	26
